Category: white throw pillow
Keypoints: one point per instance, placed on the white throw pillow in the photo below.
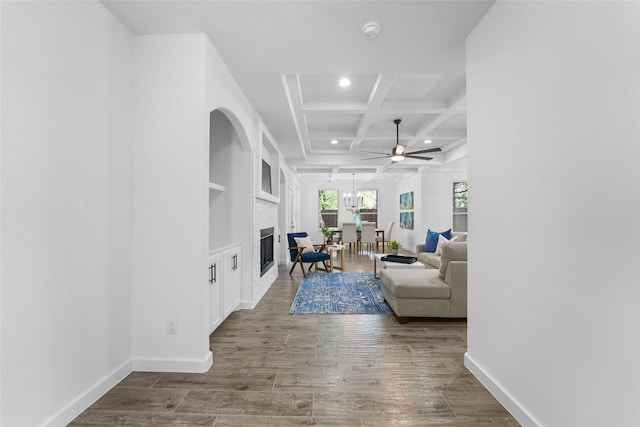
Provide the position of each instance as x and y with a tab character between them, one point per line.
306	242
441	240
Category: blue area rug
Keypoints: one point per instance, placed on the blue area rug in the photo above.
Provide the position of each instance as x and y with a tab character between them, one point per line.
348	293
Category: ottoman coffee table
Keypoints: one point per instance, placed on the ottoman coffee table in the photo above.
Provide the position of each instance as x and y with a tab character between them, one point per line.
377	259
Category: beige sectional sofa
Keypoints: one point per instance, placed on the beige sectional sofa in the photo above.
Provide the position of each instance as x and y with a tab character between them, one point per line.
432	258
430	292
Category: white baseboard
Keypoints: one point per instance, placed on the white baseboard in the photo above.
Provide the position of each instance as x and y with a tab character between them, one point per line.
173	365
247	305
89	397
509	403
250	305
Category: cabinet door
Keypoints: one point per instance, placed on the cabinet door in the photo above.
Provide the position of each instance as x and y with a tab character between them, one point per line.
237	280
216	274
232	281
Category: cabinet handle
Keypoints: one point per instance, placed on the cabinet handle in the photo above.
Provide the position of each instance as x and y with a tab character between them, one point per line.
215	273
211	279
235	262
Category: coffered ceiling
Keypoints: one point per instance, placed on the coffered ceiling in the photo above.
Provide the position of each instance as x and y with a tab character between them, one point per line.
288	57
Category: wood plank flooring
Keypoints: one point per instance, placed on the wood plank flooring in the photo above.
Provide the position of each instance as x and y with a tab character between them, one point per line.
272	368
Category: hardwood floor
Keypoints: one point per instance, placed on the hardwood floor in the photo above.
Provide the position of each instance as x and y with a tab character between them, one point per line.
272	368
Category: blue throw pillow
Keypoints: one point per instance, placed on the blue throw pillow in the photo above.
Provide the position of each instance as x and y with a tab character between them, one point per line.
431	242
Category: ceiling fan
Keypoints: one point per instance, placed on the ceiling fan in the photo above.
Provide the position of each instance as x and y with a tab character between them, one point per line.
398	153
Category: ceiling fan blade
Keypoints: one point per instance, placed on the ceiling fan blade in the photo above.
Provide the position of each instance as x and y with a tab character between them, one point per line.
381	157
411	156
430	150
375	152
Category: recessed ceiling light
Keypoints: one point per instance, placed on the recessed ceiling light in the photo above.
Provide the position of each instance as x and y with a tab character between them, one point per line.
334	141
427	141
344	82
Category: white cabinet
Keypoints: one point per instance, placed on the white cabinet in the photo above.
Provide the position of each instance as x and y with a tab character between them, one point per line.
215	291
225	281
232	280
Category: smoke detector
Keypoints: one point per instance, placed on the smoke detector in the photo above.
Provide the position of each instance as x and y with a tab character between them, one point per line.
371	30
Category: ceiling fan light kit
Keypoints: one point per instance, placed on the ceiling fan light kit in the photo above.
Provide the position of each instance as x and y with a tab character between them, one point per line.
396	154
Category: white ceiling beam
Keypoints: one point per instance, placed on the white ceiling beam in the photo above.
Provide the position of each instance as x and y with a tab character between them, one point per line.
447	134
341	134
376	98
456	102
383	134
412	107
335	107
457	153
293	92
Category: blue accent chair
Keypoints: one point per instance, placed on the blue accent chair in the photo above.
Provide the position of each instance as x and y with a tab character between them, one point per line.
297	257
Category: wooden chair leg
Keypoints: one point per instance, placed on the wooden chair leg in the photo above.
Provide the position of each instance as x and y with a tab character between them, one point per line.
302	268
299	261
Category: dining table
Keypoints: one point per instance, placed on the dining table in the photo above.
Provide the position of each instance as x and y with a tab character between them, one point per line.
379	233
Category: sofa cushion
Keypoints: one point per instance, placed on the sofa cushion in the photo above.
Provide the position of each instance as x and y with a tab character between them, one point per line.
429	258
314	257
452	251
414	284
306	242
461	235
431	241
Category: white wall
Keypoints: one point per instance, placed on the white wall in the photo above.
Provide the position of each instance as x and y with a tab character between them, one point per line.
104	227
554	302
433	201
407	237
66	208
170	205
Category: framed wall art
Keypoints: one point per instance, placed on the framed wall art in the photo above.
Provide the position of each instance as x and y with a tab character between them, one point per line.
406	201
406	220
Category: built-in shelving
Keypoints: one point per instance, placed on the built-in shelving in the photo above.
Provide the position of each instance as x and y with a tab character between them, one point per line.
216	187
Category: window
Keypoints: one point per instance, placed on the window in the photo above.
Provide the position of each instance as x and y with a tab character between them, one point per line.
328	204
460	206
368	205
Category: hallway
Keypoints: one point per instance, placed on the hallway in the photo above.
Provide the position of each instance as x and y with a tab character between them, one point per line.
272	368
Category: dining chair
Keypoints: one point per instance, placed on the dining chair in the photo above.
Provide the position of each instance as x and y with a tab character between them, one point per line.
349	233
302	250
387	235
368	234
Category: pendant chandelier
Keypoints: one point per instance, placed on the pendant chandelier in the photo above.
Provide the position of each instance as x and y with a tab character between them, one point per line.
351	199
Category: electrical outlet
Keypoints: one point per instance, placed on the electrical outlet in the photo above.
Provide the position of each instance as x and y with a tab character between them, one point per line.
172	326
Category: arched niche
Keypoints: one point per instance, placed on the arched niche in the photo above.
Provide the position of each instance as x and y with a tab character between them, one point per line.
230	188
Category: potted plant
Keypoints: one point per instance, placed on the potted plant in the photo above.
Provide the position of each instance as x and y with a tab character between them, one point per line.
328	234
395	245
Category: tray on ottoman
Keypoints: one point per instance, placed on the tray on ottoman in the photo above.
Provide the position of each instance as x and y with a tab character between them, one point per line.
399	258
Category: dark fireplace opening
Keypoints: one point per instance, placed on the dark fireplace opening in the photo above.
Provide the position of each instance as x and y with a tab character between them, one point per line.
266	250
